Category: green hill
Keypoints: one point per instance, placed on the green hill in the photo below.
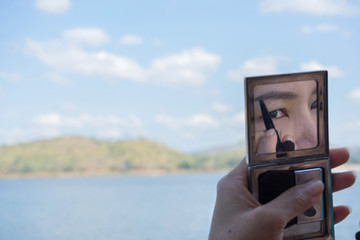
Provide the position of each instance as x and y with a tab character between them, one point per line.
73	156
84	156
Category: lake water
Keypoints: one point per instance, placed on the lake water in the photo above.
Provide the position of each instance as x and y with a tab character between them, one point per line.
131	207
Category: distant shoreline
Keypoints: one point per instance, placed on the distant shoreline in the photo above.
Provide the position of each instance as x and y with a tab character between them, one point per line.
155	172
140	173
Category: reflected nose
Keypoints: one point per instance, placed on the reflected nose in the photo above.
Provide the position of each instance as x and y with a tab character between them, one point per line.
306	129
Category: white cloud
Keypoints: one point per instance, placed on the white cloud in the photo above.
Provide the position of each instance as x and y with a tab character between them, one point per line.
131	40
238	119
57	125
16	135
45	133
195	121
67	58
88	36
355	95
55	120
53	6
10	76
202	121
58	79
263	65
311	7
110	134
168	121
221	108
320	28
334	71
11	136
191	67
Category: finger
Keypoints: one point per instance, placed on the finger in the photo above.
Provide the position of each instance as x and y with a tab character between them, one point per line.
342	180
338	157
340	213
240	170
296	200
235	178
267	143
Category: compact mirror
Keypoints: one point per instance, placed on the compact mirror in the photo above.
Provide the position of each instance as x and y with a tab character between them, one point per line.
287	137
290	110
285	117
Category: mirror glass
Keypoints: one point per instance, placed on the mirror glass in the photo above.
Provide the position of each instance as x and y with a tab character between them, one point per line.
285	117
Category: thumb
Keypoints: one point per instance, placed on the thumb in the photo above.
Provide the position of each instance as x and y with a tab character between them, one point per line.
296	200
267	142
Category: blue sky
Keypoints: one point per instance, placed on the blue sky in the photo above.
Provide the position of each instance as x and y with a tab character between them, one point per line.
171	71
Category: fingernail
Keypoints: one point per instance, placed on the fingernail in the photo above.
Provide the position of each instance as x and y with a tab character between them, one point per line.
355	173
350	209
270	132
316	187
347	149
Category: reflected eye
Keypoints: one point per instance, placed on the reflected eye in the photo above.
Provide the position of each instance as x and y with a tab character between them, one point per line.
279	113
313	105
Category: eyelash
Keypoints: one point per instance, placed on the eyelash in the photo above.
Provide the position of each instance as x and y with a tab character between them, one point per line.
314	105
273	113
284	112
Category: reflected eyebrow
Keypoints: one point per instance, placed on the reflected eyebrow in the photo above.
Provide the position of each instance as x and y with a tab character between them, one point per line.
277	95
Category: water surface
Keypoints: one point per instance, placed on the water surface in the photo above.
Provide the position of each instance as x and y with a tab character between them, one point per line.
131	207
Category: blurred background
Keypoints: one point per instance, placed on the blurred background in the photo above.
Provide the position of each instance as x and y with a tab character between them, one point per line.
108	87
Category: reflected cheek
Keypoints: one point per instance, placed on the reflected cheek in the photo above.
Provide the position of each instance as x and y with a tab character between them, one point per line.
304	143
307	137
302	135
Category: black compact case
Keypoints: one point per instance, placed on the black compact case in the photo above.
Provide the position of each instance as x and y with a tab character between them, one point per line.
290	110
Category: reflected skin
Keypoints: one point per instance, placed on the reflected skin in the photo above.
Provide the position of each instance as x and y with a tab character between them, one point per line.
239	216
293	108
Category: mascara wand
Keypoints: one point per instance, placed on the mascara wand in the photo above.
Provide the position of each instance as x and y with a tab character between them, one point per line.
280	147
270	125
